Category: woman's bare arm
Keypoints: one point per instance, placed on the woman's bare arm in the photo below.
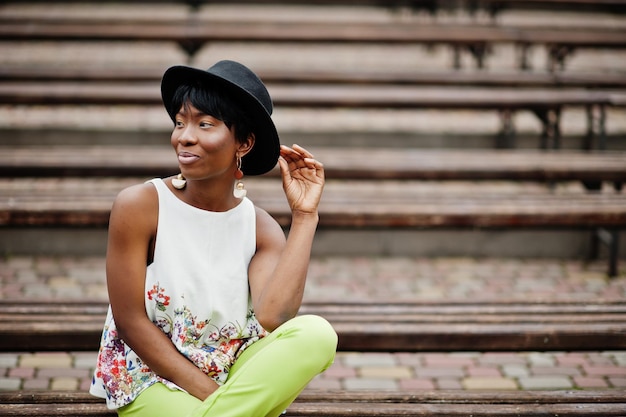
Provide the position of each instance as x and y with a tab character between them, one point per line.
279	268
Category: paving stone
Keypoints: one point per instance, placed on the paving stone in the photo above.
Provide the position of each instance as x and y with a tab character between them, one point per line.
63	372
583	382
46	360
386	372
545	382
64	384
85	360
617	382
22	372
416	384
555	370
501	358
324	384
36	384
489	383
85	384
483	372
10	384
541	359
604	370
340	371
448	383
515	370
410	359
443	360
370	384
27	277
440	372
619	358
8	360
368	359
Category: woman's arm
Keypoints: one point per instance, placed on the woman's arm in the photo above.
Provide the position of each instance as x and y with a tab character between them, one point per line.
132	229
278	270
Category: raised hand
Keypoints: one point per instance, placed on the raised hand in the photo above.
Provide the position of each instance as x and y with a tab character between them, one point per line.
303	178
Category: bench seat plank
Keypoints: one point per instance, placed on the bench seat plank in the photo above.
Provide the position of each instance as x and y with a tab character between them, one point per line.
303	31
364	403
365	396
615	6
366	326
316	95
345	163
327	76
87	202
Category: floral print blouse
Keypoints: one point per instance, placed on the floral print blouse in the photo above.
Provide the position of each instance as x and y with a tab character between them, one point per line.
196	292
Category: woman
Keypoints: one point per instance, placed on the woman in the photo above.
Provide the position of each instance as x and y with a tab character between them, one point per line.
203	286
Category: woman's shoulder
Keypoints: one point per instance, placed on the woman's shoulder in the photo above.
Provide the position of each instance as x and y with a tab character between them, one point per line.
141	196
267	227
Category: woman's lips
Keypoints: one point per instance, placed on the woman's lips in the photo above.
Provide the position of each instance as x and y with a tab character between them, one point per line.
187	158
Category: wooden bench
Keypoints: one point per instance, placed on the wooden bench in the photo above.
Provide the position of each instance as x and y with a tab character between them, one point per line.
545	103
192	34
370	204
605	403
493	7
599	80
504	325
358	163
395	204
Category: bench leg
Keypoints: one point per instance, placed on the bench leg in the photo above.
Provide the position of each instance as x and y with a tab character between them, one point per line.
551	134
479	51
456	57
596	127
557	55
506	136
523	60
191	48
611	239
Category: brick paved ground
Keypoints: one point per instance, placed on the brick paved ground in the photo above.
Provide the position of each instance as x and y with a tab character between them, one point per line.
378	278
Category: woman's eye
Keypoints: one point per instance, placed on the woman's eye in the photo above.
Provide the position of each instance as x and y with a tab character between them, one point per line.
205	124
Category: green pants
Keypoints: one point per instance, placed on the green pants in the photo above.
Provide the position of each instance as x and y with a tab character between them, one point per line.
264	380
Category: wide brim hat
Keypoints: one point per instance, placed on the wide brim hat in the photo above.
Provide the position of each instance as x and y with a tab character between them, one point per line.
254	97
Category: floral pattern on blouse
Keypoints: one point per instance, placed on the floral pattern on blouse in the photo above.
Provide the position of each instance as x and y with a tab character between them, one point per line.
211	348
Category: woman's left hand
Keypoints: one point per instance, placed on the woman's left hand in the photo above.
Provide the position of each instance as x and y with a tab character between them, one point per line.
303	179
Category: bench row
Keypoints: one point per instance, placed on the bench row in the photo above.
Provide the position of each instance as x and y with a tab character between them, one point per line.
545	103
192	35
360	404
364	204
356	163
492	6
366	189
606	80
365	327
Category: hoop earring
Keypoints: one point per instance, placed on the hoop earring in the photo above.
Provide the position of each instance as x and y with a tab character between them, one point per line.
239	191
179	182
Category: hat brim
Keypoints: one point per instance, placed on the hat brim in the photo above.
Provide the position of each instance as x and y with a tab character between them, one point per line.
263	156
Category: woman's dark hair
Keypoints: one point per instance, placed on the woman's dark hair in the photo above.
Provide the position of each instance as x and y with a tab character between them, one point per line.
216	102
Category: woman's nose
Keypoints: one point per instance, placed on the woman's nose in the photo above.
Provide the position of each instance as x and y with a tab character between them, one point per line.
187	137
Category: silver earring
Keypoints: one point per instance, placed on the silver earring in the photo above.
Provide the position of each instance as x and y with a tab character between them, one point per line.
179	182
239	191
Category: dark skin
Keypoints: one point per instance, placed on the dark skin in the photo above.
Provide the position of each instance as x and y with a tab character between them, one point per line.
207	152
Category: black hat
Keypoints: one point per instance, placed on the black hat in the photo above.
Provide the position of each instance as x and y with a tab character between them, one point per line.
247	85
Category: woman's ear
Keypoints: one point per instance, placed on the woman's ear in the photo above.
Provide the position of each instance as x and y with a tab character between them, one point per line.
246	146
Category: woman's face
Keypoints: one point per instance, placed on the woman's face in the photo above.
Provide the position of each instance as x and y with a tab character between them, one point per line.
205	146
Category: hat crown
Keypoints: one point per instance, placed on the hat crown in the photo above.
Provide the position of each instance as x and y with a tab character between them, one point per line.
244	78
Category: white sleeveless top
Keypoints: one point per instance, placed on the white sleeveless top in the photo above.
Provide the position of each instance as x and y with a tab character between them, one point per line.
196	292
